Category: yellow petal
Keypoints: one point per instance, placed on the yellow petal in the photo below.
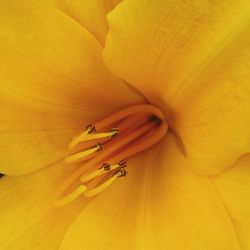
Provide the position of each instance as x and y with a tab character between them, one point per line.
28	219
213	112
192	59
49	2
53	82
161	204
89	13
233	189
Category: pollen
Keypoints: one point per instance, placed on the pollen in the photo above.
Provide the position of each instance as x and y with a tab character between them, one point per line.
103	150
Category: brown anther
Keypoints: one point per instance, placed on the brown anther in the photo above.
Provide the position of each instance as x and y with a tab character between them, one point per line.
123	163
106	167
99	146
140	127
91	129
116	132
120	173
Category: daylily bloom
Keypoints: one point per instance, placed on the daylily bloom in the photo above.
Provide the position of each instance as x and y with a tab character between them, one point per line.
163	88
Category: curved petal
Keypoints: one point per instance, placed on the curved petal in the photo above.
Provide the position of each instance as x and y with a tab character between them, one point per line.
28	220
161	204
53	82
233	189
90	13
104	221
212	113
191	59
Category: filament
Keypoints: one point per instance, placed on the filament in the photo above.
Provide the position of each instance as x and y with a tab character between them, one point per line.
121	135
81	155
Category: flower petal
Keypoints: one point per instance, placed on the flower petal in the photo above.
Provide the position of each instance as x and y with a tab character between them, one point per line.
90	13
233	188
52	82
192	59
28	220
103	222
161	204
212	113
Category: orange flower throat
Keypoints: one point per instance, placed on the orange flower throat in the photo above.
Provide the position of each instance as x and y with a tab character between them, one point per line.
104	149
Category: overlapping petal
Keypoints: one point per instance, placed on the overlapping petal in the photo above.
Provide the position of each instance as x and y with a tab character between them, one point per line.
89	13
192	59
28	219
161	204
52	82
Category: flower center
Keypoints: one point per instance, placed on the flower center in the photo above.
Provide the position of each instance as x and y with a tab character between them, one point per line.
105	147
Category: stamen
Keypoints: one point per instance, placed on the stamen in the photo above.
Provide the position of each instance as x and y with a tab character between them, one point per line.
119	173
143	109
70	197
88	135
81	155
144	143
133	122
105	168
137	132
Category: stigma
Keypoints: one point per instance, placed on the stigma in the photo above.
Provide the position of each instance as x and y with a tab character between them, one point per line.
103	150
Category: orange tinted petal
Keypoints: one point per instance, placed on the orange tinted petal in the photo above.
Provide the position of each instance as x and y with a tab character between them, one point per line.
28	219
191	59
53	82
160	204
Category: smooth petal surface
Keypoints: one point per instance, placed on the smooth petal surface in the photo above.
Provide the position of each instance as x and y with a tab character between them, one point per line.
90	13
233	188
28	220
192	59
161	205
212	113
52	83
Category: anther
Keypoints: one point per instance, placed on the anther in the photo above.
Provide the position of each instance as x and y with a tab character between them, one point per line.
140	127
90	129
120	173
81	155
99	146
123	163
89	135
105	168
115	132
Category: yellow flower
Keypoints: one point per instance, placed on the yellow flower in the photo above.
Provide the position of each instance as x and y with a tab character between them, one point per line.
189	58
